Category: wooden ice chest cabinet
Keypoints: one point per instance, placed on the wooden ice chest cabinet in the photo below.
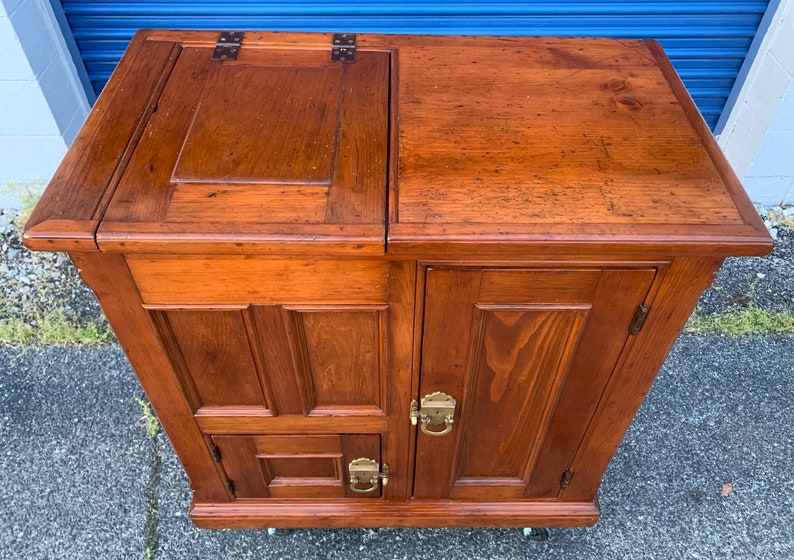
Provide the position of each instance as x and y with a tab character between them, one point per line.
462	259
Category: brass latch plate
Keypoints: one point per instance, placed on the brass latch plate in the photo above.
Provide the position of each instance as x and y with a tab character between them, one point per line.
436	409
367	472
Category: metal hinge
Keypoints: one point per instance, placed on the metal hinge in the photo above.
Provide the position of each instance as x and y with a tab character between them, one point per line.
228	45
229	485
215	452
343	47
638	320
566	479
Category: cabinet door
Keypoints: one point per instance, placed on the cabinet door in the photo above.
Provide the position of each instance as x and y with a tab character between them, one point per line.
295	466
526	354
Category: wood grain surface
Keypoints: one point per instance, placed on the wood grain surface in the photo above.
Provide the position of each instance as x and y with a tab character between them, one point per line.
291	250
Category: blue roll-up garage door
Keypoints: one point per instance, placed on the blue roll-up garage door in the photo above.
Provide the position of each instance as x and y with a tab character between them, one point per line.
707	40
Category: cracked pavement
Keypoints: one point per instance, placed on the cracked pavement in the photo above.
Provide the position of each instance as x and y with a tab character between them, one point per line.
78	460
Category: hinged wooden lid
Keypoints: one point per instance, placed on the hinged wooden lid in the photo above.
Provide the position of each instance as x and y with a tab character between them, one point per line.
279	150
516	146
498	147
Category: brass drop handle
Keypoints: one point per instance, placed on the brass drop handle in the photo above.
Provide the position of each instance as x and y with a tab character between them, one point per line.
437	409
367	471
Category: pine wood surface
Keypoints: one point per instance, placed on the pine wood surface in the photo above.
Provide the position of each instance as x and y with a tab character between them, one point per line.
291	250
528	143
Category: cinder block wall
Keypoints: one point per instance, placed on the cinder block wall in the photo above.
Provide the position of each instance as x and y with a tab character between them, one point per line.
759	135
42	103
770	177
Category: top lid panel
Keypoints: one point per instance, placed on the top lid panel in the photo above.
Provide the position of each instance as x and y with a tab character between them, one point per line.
526	143
264	125
279	147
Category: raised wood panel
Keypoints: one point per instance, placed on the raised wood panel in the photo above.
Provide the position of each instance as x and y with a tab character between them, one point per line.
216	353
341	359
294	466
264	125
286	144
519	359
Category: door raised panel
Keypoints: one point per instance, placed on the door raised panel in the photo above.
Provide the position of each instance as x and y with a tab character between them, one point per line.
519	358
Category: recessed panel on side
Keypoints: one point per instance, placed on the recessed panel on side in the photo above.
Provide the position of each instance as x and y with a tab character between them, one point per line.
340	359
211	351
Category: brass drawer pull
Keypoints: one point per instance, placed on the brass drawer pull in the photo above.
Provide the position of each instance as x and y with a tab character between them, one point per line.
437	409
367	471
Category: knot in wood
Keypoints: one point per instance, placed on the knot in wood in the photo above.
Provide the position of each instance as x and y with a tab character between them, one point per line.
629	103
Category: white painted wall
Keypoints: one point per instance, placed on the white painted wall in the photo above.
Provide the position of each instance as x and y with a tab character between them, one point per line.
42	102
758	137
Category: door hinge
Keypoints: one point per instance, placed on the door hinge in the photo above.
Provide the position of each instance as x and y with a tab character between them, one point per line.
343	47
229	486
215	452
228	45
638	320
566	479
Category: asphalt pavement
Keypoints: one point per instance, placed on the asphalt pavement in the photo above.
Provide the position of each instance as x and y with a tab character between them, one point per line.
84	480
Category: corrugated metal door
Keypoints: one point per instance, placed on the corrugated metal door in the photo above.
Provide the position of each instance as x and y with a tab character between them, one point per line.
707	40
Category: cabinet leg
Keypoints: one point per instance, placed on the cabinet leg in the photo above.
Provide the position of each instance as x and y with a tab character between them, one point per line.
536	534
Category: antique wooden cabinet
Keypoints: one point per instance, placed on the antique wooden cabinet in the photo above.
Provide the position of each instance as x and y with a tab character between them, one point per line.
395	280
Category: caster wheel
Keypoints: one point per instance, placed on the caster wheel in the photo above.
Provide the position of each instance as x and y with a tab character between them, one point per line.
535	534
272	532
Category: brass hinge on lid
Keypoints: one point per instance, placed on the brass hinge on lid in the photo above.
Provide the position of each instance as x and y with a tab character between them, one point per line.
343	47
228	45
215	452
230	486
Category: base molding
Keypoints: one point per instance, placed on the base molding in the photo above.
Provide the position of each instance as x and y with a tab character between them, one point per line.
305	514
